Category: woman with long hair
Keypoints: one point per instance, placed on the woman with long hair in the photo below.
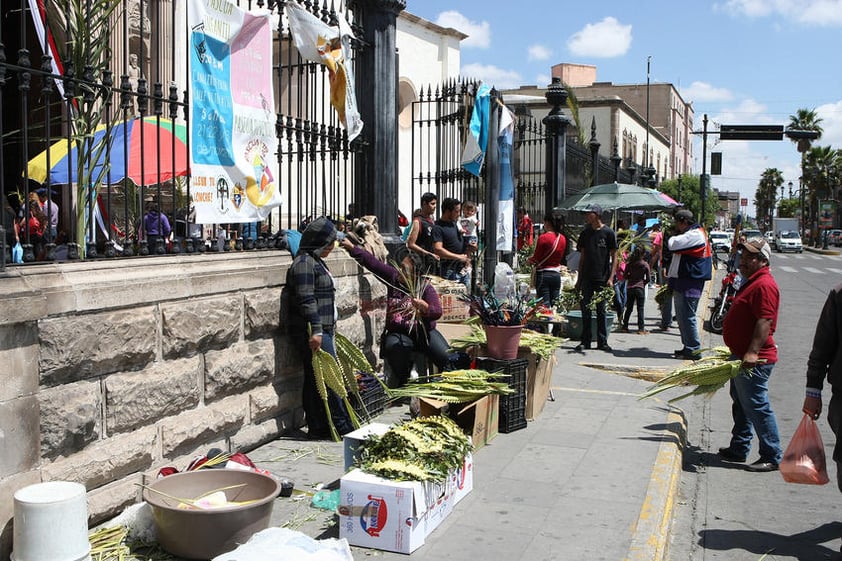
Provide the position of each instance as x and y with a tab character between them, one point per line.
549	257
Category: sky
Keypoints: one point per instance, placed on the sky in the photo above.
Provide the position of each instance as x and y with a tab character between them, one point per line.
738	61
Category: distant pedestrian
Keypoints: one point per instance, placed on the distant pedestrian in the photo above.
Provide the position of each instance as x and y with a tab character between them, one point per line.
420	237
748	331
525	232
449	244
637	276
548	258
825	361
597	266
691	266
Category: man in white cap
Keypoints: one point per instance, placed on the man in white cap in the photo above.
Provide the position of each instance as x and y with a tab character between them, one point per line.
748	331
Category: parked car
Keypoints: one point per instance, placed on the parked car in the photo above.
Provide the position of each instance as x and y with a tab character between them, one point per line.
788	240
751	234
769	236
834	237
719	241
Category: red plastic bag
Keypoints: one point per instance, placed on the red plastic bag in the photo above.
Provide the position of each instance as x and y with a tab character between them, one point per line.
804	459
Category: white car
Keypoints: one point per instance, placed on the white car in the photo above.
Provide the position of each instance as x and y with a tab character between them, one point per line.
769	236
788	240
719	241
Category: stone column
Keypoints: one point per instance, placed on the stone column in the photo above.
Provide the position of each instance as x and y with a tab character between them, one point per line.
376	73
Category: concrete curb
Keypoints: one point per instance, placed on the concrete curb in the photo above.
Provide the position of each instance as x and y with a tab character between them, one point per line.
651	532
821	251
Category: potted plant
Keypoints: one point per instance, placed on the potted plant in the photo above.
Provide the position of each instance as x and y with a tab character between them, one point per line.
502	320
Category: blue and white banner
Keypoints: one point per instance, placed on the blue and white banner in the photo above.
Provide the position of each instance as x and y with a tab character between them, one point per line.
473	154
506	211
233	145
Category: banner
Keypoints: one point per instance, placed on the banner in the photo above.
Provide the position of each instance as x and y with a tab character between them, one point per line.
233	146
474	153
319	42
827	210
506	211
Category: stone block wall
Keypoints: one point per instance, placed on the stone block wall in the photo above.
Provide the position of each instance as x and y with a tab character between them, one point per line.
113	369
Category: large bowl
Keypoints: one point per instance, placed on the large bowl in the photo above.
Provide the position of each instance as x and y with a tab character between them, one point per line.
204	534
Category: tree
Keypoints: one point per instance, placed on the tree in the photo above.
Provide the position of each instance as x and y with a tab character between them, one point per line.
806	120
765	195
690	196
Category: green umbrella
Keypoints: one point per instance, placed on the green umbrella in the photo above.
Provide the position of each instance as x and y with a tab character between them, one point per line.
619	196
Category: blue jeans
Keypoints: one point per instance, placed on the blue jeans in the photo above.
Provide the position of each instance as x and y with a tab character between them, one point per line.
457	275
751	409
620	296
685	313
548	286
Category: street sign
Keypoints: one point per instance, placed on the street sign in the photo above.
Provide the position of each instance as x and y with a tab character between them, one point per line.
716	163
751	132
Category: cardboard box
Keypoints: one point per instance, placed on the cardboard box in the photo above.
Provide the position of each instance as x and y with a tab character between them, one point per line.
478	418
451	331
397	515
539	376
450	293
351	442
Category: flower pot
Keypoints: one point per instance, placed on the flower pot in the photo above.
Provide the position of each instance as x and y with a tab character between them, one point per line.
574	323
502	341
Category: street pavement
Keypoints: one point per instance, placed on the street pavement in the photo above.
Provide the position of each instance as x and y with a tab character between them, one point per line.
593	477
726	513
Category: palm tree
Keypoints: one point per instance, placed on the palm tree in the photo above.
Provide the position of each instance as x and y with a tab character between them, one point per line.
764	198
805	120
822	172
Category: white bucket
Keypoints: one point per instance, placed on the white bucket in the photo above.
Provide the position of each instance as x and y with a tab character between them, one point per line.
51	523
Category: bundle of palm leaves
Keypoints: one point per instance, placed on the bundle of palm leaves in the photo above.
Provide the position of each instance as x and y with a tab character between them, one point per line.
708	374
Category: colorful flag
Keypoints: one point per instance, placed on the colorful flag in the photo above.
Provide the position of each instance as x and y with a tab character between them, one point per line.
319	42
233	146
474	152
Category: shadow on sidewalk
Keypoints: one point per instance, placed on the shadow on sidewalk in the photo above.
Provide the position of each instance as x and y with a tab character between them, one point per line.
695	458
805	546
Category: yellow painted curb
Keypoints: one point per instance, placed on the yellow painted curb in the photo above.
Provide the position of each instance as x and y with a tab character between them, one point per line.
651	532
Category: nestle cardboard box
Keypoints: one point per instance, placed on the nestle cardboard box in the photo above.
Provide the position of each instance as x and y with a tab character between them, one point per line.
394	515
478	418
353	440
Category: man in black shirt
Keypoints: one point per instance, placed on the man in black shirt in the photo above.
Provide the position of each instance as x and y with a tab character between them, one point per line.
420	237
597	265
448	243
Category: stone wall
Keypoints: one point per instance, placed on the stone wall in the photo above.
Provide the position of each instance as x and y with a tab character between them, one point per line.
113	369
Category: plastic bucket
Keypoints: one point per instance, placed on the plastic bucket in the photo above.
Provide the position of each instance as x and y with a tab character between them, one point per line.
573	328
502	341
51	523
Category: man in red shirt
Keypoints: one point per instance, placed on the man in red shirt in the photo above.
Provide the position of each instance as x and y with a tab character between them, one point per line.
748	330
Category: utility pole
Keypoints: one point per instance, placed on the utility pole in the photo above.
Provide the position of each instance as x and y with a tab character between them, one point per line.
646	163
703	183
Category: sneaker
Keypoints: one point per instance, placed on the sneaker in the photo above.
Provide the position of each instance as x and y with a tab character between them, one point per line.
642	332
605	347
582	347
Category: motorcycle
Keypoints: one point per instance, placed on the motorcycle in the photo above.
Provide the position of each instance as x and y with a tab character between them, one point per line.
730	285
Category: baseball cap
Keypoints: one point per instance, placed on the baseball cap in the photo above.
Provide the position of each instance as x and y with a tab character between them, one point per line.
593	207
684	215
758	246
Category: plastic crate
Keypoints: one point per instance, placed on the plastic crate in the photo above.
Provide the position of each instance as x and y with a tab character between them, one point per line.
372	399
513	406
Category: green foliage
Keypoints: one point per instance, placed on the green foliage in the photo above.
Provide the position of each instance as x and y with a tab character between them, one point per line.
690	196
83	31
765	196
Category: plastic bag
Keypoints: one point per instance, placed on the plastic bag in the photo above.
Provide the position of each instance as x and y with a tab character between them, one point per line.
804	459
17	253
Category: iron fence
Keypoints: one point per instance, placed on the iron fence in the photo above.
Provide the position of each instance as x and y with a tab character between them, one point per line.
76	65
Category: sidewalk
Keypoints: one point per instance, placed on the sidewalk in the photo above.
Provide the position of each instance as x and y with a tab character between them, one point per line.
593	477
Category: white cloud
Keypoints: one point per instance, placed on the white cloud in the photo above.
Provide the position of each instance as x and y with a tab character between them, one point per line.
493	76
605	39
831	115
539	52
543	80
479	33
826	13
703	92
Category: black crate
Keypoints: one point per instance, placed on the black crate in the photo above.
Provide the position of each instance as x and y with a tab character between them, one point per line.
372	399
513	406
